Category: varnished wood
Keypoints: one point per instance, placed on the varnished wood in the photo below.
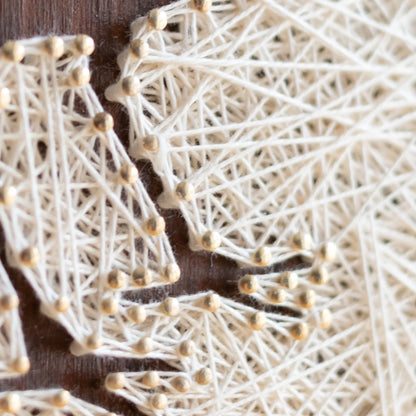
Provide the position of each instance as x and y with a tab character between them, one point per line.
107	21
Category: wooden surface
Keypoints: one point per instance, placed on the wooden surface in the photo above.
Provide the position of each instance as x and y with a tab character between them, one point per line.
107	21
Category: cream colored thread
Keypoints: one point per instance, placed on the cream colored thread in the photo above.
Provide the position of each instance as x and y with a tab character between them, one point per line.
12	344
313	135
184	79
223	341
71	208
42	402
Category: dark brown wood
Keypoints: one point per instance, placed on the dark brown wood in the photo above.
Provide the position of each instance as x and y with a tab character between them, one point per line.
107	21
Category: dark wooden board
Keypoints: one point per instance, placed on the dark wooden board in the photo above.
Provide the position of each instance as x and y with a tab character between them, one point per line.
107	21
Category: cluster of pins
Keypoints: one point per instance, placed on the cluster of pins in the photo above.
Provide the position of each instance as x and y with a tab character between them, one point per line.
130	85
301	242
14	52
278	288
116	281
12	402
159	389
102	122
9	302
176	383
138	314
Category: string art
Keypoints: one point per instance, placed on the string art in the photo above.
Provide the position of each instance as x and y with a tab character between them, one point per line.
13	356
268	118
43	174
278	129
77	219
47	402
272	121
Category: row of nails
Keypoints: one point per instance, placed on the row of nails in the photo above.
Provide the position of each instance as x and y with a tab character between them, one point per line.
151	380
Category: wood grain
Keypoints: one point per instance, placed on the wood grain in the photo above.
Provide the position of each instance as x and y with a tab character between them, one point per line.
107	21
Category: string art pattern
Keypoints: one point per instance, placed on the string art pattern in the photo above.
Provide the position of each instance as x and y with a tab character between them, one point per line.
271	121
47	402
13	356
168	330
229	358
278	129
264	119
77	219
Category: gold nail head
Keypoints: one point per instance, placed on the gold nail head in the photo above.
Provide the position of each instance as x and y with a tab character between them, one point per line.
109	306
155	225
203	376
62	398
13	51
151	379
139	48
114	381
84	44
277	295
158	19
10	403
328	251
299	331
171	307
137	313
130	85
144	346
129	174
30	256
248	284
151	143
212	302
141	277
54	46
302	241
181	384
288	279
7	195
325	316
185	191
8	302
187	348
262	256
93	342
5	97
211	240
159	401
103	122
203	6
80	76
21	365
257	320
319	275
62	304
172	273
307	299
116	279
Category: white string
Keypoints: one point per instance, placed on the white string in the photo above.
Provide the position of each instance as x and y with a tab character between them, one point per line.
248	367
71	206
296	116
48	402
319	147
12	345
265	107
